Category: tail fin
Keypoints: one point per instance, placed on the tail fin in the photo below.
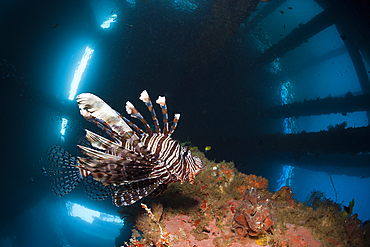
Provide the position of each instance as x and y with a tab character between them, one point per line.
63	170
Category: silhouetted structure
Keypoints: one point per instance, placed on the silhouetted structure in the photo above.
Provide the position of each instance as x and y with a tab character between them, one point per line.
336	140
351	19
318	106
223	21
268	9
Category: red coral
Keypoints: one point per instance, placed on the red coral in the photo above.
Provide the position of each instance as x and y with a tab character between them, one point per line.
285	193
196	222
353	227
254	216
259	183
333	241
300	237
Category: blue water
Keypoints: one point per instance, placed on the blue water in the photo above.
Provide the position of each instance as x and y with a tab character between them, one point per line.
220	91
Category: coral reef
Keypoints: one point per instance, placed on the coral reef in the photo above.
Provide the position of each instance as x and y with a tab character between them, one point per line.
300	236
254	216
224	207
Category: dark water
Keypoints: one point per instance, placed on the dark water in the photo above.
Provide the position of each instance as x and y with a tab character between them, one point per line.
222	64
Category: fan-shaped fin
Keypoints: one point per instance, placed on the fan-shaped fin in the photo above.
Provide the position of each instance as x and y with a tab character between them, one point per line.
99	155
100	142
63	170
132	125
130	193
114	173
90	104
160	190
103	126
82	141
130	109
96	190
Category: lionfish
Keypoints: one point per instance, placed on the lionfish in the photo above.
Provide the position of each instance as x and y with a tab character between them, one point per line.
132	164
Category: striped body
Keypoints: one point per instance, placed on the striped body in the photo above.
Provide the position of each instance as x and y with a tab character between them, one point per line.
178	162
131	164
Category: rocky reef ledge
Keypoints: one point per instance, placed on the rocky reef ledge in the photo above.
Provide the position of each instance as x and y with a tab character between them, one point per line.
224	207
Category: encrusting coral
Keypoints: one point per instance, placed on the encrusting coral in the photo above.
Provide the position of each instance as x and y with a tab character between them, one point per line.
224	207
354	229
254	216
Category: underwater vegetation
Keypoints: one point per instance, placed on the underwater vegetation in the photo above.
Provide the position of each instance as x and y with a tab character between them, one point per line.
315	198
224	207
347	211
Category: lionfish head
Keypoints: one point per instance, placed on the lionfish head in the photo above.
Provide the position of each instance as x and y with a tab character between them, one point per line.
193	163
199	164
